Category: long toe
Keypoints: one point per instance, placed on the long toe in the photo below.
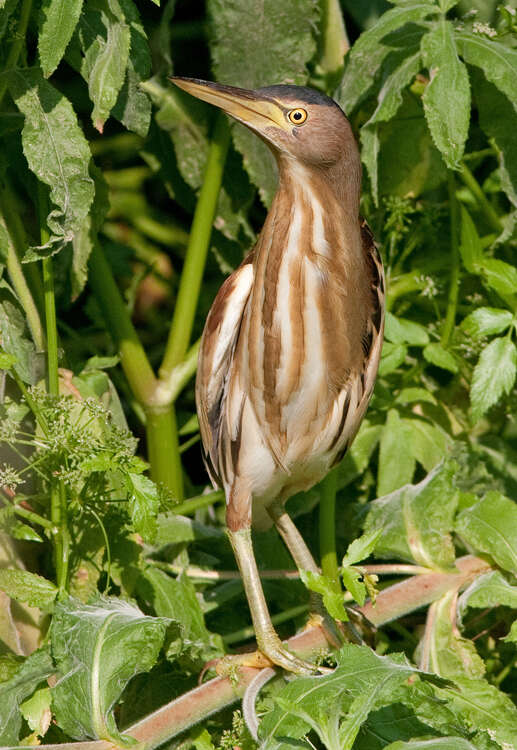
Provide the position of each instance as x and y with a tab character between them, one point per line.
279	654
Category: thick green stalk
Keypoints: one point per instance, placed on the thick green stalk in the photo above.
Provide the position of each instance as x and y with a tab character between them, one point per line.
334	42
200	501
58	505
327	519
51	326
454	278
14	269
163	449
197	249
485	206
133	358
17	45
162	437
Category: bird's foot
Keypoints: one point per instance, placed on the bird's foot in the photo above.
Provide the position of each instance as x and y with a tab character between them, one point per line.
272	653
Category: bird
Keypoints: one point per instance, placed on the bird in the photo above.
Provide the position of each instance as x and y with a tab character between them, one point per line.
291	345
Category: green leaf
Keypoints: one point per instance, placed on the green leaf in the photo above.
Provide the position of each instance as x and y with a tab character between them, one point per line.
498	119
471	249
6	360
489	590
490	526
439	743
58	154
389	100
395	30
144	503
36	711
449	81
176	598
27	587
413	394
335	706
36	668
500	276
58	20
16	344
330	591
493	376
416	520
484	708
104	35
485	321
497	61
396	459
402	331
440	357
361	548
250	54
429	442
393	355
98	648
133	106
358	456
450	655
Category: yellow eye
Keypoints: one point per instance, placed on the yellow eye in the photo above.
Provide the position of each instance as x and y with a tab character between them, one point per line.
297	116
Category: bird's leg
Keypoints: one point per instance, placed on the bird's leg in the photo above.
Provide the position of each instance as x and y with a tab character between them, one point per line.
267	639
304	560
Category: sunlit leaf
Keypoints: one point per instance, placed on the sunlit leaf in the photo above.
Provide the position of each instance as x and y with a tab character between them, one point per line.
485	321
448	81
36	668
402	331
396	459
450	655
490	527
497	61
493	376
440	357
98	648
57	152
27	587
416	520
57	24
396	29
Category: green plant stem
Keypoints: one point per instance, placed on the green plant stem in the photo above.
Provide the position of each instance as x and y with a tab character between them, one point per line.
133	358
16	46
327	523
197	249
335	42
58	505
244	634
485	206
14	268
163	449
454	276
162	436
201	501
51	326
29	515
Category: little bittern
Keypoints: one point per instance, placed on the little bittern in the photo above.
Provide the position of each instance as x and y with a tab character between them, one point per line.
292	342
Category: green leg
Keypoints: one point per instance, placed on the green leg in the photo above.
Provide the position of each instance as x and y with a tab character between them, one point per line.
267	639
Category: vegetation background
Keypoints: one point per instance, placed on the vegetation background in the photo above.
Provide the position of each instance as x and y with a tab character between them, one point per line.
124	203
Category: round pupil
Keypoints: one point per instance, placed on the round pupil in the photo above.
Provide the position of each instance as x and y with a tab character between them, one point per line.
297	115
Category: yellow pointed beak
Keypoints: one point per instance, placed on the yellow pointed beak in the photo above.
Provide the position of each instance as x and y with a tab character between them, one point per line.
249	107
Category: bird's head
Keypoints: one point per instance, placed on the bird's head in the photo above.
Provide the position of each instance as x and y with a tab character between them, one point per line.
295	121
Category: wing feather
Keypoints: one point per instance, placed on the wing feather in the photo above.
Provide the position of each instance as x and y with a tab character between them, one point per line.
216	354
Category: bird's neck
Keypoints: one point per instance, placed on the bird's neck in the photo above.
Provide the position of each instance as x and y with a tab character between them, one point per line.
338	186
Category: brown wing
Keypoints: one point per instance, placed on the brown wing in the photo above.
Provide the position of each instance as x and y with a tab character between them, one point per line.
360	391
216	357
